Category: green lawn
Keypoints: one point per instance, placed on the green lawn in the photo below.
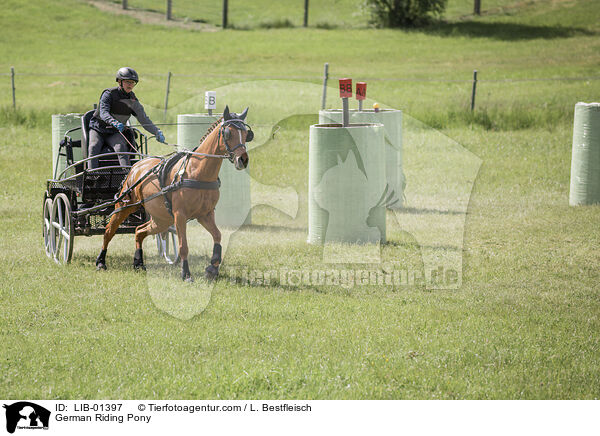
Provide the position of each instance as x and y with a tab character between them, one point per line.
322	13
261	13
525	322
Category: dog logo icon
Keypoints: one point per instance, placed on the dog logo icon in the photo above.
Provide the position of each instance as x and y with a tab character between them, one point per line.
26	415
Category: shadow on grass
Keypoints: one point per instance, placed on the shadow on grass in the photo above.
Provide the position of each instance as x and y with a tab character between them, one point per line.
503	31
416	245
421	210
274	228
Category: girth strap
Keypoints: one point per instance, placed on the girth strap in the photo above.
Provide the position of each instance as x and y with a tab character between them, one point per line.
187	183
197	184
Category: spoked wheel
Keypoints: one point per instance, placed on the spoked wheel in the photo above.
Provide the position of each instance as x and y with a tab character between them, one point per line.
61	229
167	245
46	227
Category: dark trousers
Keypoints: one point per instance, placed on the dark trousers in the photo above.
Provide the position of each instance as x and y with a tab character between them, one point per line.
107	143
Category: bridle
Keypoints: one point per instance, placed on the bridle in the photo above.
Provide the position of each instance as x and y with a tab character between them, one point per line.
225	133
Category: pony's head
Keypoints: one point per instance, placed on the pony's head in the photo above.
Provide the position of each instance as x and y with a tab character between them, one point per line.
236	133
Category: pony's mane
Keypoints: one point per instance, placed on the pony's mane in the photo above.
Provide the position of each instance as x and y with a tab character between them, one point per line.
210	129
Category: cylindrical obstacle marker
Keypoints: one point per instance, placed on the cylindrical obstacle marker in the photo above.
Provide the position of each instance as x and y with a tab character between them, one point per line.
585	160
60	125
233	208
392	121
191	128
346	184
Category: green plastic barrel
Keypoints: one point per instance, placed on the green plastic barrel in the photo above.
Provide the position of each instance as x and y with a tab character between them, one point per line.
233	208
392	122
60	125
346	184
192	127
585	160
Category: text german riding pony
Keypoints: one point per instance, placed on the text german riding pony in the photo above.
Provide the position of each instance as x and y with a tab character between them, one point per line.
182	188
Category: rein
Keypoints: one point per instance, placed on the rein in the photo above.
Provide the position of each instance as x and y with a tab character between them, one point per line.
194	153
125	138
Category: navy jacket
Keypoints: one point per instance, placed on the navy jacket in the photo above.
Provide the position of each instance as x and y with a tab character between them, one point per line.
117	105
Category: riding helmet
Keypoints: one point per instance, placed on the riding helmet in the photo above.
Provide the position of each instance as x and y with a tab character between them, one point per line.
127	73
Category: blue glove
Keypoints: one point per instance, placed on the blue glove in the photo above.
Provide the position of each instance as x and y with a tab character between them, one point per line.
160	137
119	126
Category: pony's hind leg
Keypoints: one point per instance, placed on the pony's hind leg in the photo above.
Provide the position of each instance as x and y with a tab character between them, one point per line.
181	226
109	233
150	228
208	222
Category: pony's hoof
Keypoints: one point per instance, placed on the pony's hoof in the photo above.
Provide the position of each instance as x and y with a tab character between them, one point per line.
188	279
139	267
211	272
101	261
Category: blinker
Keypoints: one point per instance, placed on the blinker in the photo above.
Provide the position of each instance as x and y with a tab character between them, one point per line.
227	134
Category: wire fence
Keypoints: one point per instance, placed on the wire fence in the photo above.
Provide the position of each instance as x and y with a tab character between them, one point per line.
250	13
13	74
313	78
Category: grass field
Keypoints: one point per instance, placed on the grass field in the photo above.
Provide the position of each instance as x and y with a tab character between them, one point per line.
323	13
524	324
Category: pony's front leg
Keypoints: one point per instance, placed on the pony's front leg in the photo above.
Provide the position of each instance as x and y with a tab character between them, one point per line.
181	226
208	222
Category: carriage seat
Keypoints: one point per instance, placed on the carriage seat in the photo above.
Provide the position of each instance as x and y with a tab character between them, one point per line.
85	137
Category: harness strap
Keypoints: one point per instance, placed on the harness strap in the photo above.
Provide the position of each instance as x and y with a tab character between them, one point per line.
167	166
154	170
161	170
176	179
197	184
184	183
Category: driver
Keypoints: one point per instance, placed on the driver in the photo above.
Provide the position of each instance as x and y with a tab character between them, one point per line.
108	122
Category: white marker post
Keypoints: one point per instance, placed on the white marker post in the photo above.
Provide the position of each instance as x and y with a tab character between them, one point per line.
361	94
210	101
345	94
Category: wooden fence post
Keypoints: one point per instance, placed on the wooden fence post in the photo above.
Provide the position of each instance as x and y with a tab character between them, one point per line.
12	80
305	13
124	4
169	7
477	7
474	90
225	14
167	94
325	77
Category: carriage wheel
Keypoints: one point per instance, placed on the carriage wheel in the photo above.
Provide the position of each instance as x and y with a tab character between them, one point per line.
167	245
46	227
61	229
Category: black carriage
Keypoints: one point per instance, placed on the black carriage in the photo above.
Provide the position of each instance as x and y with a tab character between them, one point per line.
79	200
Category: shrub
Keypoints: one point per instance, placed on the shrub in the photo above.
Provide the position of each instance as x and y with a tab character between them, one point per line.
281	23
404	13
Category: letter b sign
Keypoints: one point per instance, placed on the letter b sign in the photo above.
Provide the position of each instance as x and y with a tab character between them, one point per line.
210	100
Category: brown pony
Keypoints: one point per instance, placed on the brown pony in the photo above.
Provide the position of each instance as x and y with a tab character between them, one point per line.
193	193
